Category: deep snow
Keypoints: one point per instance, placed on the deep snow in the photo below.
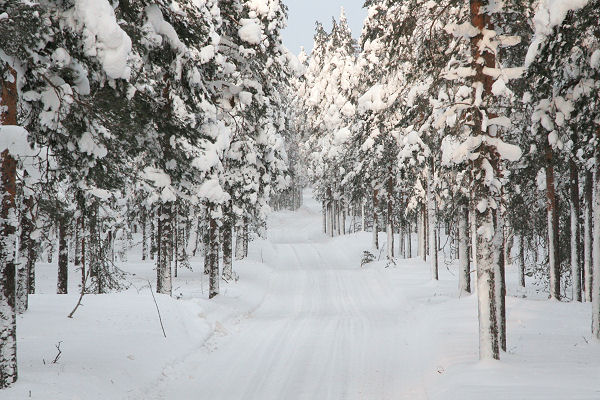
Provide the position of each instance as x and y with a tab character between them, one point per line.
304	321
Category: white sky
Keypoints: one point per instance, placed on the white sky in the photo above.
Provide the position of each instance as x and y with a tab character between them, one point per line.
302	15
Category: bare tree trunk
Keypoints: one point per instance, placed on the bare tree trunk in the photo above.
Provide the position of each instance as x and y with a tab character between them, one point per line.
27	256
239	243
227	233
473	220
343	222
552	213
153	244
375	227
487	245
431	219
63	257
575	231
78	233
521	261
499	275
463	251
324	217
588	241
401	241
144	222
596	248
246	236
213	257
362	215
163	268
409	241
8	329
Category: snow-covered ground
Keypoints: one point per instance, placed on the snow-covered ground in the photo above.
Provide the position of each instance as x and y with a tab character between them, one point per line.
304	321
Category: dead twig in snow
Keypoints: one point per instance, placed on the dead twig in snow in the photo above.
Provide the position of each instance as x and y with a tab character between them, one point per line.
157	309
59	353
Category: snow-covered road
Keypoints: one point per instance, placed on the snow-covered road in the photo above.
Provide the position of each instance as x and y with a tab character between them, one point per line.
326	329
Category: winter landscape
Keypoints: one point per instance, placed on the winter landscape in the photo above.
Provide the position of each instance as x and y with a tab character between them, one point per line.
194	208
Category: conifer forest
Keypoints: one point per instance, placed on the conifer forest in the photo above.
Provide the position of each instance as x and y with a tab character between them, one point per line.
189	209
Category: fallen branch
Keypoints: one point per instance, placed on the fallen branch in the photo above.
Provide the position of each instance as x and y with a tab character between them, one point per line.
59	353
157	309
83	285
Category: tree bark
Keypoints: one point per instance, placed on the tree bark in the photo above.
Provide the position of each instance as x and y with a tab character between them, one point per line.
144	222
163	268
239	243
463	251
63	257
575	231
521	261
431	219
375	227
588	241
596	245
552	214
324	217
77	260
213	257
500	277
27	256
227	233
487	244
8	330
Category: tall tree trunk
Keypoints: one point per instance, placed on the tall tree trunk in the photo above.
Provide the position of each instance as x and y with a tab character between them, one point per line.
324	217
552	214
596	249
500	278
213	254
227	233
246	236
588	241
176	238
163	268
409	241
375	227
575	231
401	241
521	260
77	260
463	251
8	329
144	221
487	244
153	239
63	257
390	219
239	242
431	219
343	222
362	215
27	256
473	232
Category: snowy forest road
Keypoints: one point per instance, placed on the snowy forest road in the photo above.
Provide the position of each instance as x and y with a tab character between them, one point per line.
326	329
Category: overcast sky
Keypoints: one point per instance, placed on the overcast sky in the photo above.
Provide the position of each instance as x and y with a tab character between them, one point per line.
302	15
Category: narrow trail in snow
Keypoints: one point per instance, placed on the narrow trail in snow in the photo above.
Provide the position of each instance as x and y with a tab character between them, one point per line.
327	329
